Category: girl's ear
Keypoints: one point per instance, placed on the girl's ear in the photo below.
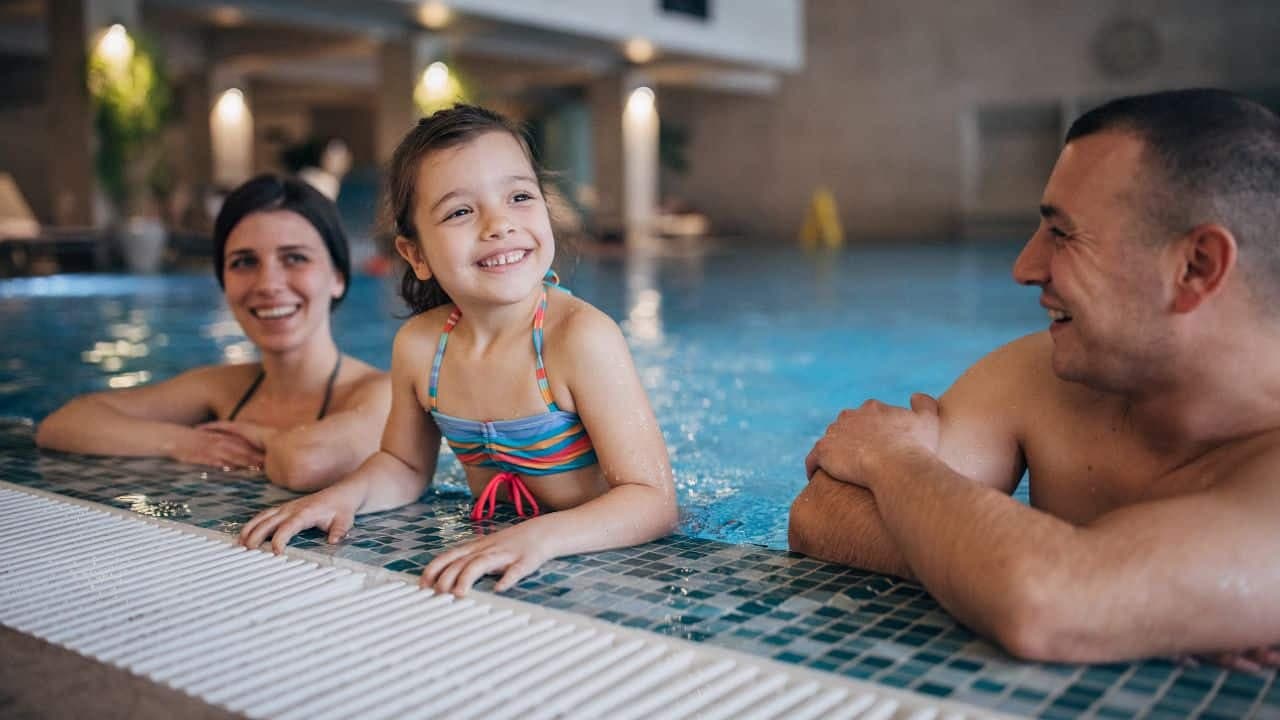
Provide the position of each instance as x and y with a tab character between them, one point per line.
412	254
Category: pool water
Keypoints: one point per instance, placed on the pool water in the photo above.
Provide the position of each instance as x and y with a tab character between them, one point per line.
747	354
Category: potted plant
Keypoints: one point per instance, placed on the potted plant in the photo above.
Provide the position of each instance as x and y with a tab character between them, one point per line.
131	103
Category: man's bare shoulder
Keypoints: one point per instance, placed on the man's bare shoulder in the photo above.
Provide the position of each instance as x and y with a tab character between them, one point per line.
1012	374
1249	467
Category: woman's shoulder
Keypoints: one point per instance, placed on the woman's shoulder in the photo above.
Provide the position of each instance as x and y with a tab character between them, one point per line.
359	372
220	376
215	386
361	383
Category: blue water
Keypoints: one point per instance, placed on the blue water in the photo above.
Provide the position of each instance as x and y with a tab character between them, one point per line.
747	354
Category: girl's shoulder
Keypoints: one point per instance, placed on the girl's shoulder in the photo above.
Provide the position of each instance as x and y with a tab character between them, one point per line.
422	331
572	319
578	331
430	322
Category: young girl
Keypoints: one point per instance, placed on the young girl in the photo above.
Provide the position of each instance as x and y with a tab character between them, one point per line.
534	389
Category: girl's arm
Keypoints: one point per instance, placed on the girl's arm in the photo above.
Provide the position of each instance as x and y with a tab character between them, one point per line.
152	420
393	476
640	504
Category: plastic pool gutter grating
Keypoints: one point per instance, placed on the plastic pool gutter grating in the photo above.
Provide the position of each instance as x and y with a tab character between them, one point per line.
300	636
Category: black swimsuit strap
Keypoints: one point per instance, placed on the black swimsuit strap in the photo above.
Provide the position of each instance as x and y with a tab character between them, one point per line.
328	387
247	394
324	406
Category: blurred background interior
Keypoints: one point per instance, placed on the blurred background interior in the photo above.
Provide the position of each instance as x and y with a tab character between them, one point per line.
669	121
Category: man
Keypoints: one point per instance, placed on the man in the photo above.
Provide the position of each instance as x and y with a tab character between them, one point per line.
1148	416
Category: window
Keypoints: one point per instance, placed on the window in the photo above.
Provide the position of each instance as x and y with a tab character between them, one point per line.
700	9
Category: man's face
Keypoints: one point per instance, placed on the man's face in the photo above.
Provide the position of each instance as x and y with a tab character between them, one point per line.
1102	282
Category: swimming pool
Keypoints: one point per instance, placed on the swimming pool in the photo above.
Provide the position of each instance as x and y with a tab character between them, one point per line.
747	354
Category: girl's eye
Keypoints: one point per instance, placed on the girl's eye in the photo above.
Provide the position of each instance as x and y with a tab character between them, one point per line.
522	196
460	212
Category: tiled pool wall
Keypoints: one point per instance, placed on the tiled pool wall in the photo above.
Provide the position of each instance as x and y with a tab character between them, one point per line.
749	598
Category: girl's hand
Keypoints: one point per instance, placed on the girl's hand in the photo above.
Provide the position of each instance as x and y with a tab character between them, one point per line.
514	552
209	447
256	435
328	510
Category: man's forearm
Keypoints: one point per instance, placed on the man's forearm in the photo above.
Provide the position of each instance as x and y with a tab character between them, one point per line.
840	523
982	555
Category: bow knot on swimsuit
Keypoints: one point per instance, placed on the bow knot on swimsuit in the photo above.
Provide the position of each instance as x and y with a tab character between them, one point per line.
548	443
488	500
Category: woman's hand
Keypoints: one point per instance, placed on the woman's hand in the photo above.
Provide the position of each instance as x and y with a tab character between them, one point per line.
256	435
201	446
331	510
515	552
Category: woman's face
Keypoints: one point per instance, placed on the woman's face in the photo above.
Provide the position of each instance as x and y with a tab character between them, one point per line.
279	280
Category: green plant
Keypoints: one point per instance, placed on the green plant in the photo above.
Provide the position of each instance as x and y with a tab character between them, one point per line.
131	102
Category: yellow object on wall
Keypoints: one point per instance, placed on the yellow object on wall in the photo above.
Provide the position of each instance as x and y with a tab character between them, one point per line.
822	222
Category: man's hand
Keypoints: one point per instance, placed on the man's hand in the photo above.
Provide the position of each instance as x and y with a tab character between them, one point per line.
860	441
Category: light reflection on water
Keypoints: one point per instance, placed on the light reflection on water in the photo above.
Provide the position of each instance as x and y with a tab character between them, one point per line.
747	355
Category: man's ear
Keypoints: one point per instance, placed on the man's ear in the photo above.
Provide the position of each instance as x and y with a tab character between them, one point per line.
412	254
1206	258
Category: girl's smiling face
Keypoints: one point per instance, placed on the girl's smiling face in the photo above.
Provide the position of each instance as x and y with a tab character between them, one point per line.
279	280
484	231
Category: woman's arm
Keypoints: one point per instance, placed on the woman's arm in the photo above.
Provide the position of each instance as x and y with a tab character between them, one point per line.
393	476
316	455
153	420
640	504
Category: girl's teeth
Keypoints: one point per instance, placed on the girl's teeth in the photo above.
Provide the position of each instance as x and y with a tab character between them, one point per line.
504	259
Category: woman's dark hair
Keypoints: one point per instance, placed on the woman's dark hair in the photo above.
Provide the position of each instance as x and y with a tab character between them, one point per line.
443	129
270	192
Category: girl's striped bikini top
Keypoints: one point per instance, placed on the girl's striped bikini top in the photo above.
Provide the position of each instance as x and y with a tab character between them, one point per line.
544	444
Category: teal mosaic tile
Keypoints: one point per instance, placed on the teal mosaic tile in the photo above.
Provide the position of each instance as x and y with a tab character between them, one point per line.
770	603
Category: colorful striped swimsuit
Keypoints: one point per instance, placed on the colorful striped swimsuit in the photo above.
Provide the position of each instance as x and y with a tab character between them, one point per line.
544	444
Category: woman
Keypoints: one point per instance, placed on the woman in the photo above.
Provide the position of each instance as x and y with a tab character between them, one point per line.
306	413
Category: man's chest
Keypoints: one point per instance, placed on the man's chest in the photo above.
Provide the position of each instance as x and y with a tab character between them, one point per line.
1081	470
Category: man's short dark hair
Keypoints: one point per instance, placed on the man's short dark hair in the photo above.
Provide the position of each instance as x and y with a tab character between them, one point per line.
1214	156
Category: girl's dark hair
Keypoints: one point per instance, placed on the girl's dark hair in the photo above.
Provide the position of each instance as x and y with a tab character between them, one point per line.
442	129
270	192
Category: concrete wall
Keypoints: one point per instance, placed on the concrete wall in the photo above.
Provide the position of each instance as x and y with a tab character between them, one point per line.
918	112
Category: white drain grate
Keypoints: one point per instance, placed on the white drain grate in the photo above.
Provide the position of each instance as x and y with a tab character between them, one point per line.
286	637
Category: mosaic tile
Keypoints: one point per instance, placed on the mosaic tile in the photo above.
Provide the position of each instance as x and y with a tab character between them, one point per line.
766	602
